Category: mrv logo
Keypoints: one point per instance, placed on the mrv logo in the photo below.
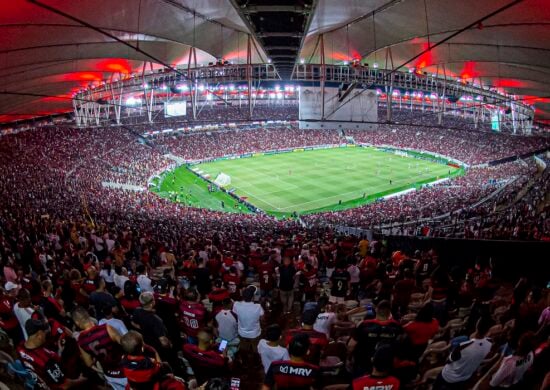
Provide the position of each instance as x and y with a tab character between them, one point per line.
295	370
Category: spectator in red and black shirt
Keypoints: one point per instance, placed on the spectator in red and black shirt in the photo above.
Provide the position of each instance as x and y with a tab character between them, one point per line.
205	358
52	307
217	296
296	373
232	281
308	281
340	283
380	377
317	340
382	329
142	366
100	343
192	315
42	361
266	273
8	321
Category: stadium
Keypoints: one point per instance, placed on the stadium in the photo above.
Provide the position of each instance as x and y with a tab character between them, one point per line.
275	194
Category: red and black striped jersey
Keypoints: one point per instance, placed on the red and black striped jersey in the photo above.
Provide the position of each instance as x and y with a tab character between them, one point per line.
318	341
97	342
142	371
44	363
292	375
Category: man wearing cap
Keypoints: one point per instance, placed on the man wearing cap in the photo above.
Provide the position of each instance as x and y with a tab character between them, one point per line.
42	361
380	378
317	340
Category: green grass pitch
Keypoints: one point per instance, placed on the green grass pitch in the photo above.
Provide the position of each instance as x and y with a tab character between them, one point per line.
308	181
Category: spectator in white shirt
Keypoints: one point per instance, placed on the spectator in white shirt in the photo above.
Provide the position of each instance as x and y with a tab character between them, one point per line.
465	359
120	277
143	280
325	319
226	322
112	321
269	348
512	368
248	315
23	309
107	273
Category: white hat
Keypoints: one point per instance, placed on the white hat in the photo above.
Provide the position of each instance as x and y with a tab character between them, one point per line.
11	286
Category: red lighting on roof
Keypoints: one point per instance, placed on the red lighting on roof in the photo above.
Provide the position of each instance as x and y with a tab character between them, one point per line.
468	71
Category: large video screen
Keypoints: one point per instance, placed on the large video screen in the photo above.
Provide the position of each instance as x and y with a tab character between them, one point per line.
175	109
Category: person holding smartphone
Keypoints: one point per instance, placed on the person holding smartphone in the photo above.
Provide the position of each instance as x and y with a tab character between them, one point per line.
207	357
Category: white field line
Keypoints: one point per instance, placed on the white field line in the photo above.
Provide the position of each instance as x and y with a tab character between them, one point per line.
259	199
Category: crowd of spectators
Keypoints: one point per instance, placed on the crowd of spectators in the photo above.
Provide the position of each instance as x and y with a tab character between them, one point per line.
222	113
139	303
112	288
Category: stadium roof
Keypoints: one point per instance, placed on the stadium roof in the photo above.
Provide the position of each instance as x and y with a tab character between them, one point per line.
51	48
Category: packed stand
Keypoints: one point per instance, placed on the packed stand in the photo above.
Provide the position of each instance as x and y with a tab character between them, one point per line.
277	307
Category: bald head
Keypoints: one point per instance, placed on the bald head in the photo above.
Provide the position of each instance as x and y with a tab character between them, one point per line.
132	343
81	317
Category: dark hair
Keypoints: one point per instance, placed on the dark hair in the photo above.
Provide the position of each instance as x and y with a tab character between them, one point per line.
107	310
426	313
384	308
140	269
299	345
323	301
309	317
130	290
217	384
273	332
191	295
248	293
483	325
525	344
383	358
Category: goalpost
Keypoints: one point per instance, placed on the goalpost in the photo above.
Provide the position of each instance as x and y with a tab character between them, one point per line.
223	180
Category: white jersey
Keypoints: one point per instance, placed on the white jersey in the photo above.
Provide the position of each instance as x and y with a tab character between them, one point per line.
471	355
324	322
511	370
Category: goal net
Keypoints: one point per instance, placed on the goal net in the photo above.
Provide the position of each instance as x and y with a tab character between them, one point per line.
223	180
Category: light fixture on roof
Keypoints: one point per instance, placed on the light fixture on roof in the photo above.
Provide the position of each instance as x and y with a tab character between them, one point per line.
375	65
302	61
269	60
